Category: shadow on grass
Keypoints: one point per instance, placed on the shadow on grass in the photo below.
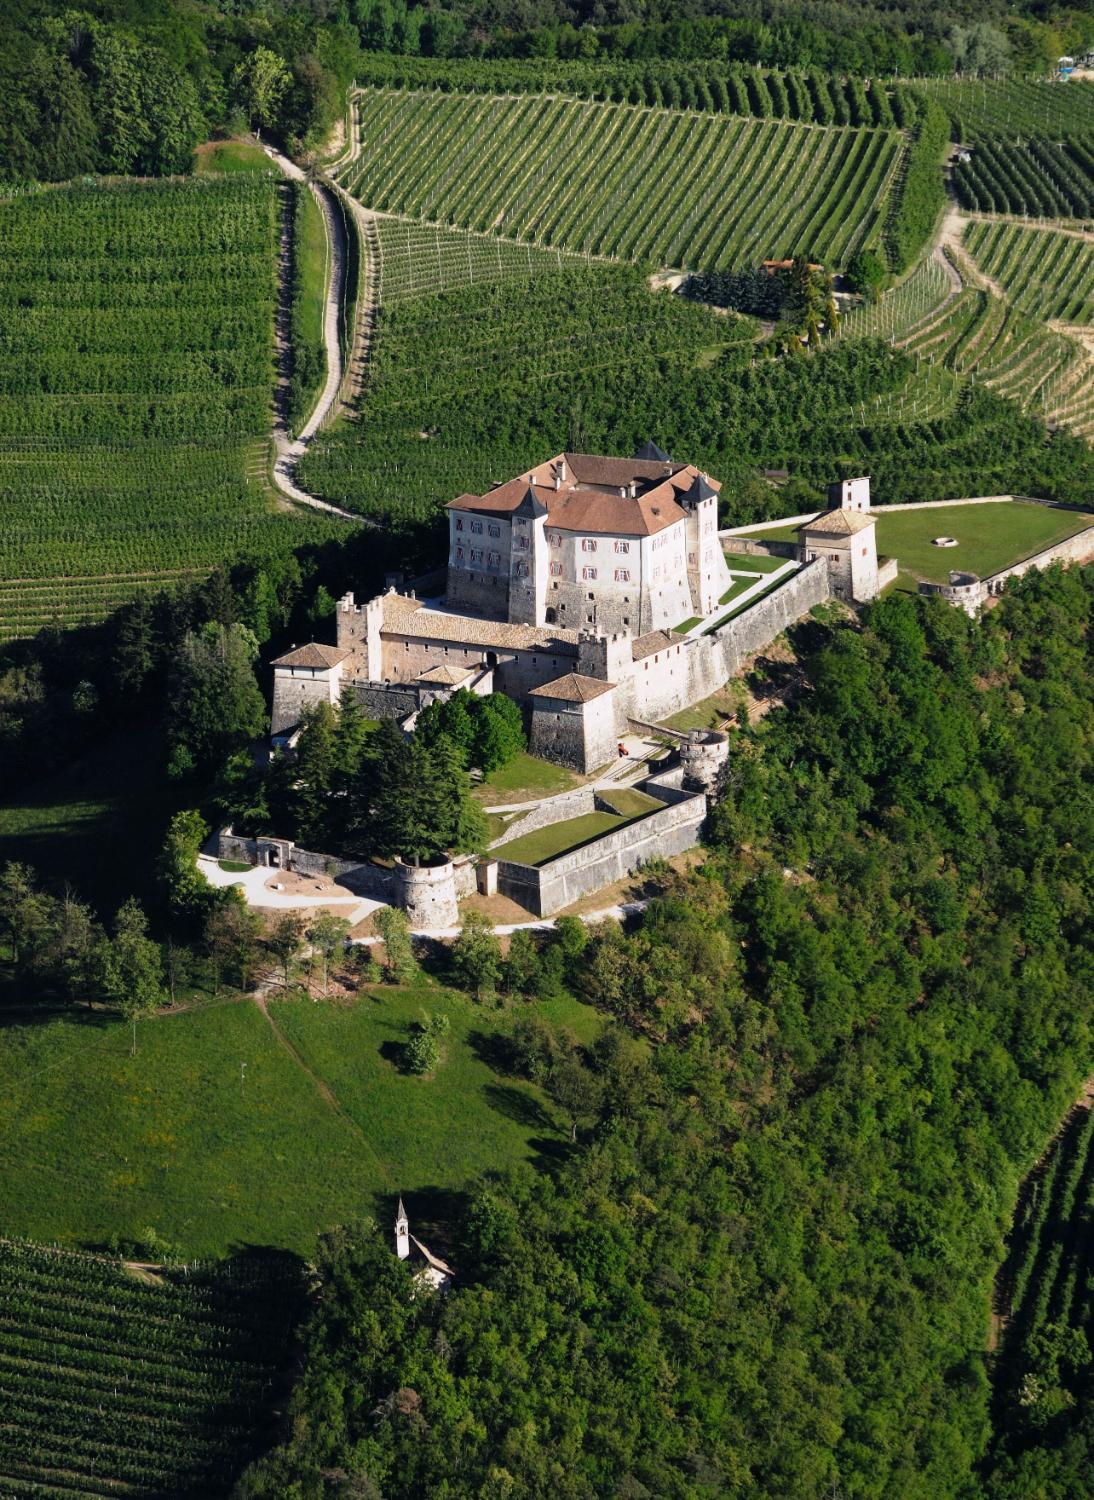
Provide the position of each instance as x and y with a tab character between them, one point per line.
493	1048
518	1105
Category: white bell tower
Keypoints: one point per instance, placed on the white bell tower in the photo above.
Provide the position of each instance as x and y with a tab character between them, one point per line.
402	1233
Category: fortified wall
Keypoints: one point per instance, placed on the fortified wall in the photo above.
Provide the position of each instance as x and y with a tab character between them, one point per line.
547	888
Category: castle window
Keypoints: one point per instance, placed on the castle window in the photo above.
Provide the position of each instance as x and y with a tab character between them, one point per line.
495	529
691	557
864	551
556	569
459	554
476	557
494	559
522	570
626	620
556	540
588	544
622	546
588	573
459	523
521	543
622	576
476	527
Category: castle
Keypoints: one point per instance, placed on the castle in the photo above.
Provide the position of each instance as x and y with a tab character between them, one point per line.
588	589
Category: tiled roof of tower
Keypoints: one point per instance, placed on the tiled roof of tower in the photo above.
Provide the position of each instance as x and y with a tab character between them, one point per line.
838	523
573	687
588	492
314	655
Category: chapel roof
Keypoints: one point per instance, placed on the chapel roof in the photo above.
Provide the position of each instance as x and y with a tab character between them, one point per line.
445	675
314	655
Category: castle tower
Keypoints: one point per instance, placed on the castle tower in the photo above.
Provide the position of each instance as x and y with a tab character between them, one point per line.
402	1233
528	562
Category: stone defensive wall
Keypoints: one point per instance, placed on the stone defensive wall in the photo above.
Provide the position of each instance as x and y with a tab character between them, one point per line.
573	804
1077	548
428	893
547	888
758	625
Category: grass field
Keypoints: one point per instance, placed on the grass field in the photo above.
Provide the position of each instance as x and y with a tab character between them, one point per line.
560	838
136	378
524	779
232	158
570	173
710	713
989	537
217	1135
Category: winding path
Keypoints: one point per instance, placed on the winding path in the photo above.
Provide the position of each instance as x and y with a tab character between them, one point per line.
289	450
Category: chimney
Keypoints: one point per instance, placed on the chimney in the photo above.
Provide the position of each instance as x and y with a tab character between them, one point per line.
623	491
633	488
562	469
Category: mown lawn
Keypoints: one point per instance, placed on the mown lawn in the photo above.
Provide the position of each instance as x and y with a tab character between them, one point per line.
217	1136
989	537
524	780
311	295
741	562
559	838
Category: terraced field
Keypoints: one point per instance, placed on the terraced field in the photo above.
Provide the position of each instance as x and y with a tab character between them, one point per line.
655	186
1046	272
136	373
151	1383
975	333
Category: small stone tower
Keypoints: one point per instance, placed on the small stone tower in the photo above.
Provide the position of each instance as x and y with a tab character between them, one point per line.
402	1233
528	562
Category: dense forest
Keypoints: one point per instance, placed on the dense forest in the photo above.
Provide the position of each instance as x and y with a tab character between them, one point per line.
118	86
764	1267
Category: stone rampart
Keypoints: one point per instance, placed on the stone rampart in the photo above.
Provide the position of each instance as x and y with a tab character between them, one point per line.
427	893
547	888
378	700
758	625
770	525
573	804
1077	548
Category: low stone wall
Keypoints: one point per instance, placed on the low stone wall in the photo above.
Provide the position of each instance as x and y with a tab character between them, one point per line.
770	525
547	888
887	572
570	805
362	877
747	546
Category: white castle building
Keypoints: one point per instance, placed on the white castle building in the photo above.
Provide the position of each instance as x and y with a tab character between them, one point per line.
590	543
566	588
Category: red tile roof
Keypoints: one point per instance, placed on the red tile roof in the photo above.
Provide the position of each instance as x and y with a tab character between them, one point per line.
593	494
574	687
315	655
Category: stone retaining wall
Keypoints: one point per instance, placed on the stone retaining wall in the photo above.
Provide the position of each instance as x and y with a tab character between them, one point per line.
547	888
746	546
758	626
1075	548
573	804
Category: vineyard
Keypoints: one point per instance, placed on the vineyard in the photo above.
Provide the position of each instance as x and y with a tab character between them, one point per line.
639	184
135	387
157	1382
1045	1286
418	259
466	383
975	333
723	88
982	108
1038	178
1045	272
